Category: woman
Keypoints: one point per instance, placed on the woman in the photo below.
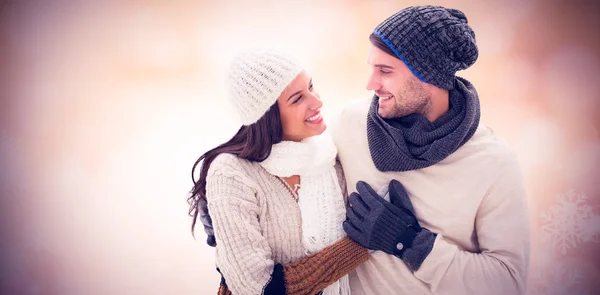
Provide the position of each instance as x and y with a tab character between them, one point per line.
274	191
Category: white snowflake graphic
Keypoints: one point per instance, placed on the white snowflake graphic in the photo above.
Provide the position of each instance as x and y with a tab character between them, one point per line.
570	221
591	227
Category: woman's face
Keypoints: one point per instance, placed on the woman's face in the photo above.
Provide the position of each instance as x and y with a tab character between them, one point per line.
300	110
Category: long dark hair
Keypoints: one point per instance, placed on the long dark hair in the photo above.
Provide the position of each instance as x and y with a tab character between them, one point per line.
252	142
377	42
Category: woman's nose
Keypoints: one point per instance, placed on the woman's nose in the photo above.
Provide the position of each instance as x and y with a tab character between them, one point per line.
316	103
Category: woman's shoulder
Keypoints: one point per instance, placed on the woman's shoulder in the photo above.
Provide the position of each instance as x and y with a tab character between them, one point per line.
232	166
227	161
228	173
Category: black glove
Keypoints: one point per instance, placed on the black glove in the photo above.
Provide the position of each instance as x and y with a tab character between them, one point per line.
206	222
388	226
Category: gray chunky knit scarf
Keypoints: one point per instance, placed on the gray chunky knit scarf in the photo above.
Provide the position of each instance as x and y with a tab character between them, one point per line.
412	142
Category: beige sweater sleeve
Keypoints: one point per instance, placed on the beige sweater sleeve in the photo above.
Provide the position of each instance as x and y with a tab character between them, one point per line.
502	227
243	254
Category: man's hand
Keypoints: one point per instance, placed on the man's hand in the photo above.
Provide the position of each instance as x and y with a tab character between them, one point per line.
390	227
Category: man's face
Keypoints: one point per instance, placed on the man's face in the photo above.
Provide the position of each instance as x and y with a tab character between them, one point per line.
400	92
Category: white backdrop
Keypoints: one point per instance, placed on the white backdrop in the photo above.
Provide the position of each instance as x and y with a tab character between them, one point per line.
106	105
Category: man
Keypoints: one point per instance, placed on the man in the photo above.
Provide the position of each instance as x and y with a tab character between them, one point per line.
457	220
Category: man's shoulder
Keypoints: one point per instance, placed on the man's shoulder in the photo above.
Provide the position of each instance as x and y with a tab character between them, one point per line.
349	117
492	145
485	157
352	110
355	107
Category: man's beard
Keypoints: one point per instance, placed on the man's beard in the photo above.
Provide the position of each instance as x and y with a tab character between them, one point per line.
419	101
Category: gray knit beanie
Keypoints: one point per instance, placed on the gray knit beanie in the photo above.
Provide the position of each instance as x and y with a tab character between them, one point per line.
433	41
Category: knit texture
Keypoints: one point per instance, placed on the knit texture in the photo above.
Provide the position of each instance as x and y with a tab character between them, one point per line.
412	142
421	241
420	249
471	199
256	79
256	221
320	197
434	42
313	273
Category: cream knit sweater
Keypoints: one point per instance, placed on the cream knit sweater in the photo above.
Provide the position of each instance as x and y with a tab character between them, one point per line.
256	220
474	200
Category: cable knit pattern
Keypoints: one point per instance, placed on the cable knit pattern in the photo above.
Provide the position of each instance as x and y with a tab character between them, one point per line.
256	222
320	198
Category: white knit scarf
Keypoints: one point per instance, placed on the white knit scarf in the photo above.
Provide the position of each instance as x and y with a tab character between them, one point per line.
320	198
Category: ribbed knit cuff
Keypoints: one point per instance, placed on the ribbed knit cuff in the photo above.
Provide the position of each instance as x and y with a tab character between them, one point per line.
421	247
314	273
388	233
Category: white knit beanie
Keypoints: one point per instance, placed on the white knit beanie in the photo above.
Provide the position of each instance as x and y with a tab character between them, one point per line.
256	79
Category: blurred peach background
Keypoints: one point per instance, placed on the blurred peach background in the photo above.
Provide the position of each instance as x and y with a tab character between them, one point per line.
106	105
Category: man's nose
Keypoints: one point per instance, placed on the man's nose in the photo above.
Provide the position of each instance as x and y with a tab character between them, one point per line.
373	83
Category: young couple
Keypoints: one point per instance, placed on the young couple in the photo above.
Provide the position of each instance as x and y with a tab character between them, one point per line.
437	203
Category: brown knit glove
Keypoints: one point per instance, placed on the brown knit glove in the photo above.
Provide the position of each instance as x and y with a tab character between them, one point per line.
314	273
